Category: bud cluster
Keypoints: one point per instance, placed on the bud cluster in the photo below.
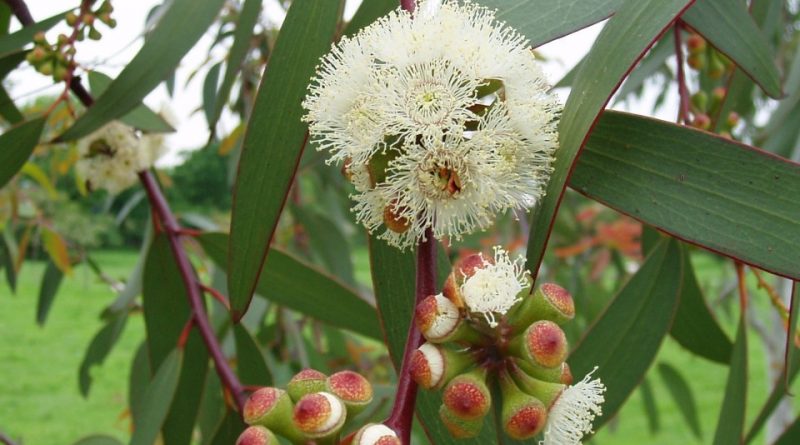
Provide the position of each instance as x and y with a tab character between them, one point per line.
487	329
313	407
709	62
56	59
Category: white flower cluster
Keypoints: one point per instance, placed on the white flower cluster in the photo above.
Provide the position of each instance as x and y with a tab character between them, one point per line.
111	157
442	119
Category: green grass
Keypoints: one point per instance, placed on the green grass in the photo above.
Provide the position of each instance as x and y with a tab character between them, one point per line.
40	401
39	398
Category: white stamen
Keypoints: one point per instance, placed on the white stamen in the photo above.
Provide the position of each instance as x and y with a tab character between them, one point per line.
571	416
493	288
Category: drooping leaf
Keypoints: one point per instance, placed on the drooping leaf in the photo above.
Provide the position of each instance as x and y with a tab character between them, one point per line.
14	42
624	341
730	426
544	20
182	24
274	143
166	312
650	409
7	263
250	363
37	173
212	408
622	42
157	399
299	286
682	395
210	92
692	184
138	380
730	28
16	145
56	247
694	327
98	440
8	109
248	17
98	350
367	13
51	280
140	117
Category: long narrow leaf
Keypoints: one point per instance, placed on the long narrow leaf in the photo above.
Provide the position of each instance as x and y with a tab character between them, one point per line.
730	425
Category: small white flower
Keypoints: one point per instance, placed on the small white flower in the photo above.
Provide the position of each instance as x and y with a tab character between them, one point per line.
453	106
572	414
111	157
494	288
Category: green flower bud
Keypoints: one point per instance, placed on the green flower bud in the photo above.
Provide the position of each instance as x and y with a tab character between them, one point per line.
716	69
59	73
701	121
40	39
546	392
375	434
272	408
459	427
94	34
696	44
36	56
467	396
320	416
697	61
305	382
559	374
71	18
440	321
45	68
543	344
550	302
699	102
523	416
433	366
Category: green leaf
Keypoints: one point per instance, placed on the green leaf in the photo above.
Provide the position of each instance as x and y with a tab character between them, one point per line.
210	92
98	440
729	27
682	395
183	23
140	117
157	399
622	42
653	62
623	342
250	364
299	286
274	142
367	13
792	434
695	327
229	429
248	17
544	20
722	195
166	312
14	42
328	241
7	263
138	380
16	145
730	425
212	408
98	350
51	280
8	109
649	402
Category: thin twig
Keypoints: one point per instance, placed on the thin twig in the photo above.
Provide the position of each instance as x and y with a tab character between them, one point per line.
683	108
217	295
742	285
402	413
6	440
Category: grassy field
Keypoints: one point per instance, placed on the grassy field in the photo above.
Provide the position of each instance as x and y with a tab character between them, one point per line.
40	401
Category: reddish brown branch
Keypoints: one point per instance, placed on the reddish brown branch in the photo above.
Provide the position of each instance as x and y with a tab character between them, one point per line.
742	285
173	231
6	440
402	413
683	107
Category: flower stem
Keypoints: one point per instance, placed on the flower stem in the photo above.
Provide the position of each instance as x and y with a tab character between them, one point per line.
174	234
406	396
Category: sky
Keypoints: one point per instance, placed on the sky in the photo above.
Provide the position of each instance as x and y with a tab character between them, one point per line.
120	44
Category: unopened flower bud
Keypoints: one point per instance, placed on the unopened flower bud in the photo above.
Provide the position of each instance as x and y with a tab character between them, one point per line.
546	392
36	56
94	34
523	415
320	415
440	321
257	435
59	73
543	344
39	38
376	434
697	61
701	121
549	302
45	68
733	119
88	19
696	44
462	269
71	18
305	382
716	68
433	366
352	389
699	102
467	396
459	427
559	374
394	220
272	408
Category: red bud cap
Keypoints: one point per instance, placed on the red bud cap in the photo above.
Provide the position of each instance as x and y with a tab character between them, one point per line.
566	374
696	43
543	344
319	415
305	382
351	388
256	435
272	408
467	396
549	302
376	434
460	428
